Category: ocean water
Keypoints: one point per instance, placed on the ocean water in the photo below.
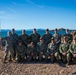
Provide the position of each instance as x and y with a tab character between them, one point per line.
41	32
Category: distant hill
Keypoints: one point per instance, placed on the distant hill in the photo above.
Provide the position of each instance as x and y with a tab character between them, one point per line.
40	29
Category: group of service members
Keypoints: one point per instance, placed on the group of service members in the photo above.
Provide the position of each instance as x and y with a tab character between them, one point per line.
55	47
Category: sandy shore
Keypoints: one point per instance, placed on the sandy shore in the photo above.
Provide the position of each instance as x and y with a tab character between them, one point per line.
35	68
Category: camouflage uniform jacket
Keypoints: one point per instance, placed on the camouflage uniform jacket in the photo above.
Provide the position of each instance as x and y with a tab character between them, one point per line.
24	38
21	50
72	48
64	47
9	41
52	48
30	50
69	38
41	47
57	38
47	38
35	37
15	38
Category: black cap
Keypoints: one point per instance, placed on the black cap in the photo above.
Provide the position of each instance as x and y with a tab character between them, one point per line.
9	32
23	30
56	29
47	29
13	29
67	29
34	29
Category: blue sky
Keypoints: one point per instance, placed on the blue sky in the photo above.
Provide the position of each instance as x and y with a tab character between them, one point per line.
29	14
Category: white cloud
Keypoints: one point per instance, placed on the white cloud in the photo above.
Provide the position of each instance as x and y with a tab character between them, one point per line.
8	16
11	10
31	2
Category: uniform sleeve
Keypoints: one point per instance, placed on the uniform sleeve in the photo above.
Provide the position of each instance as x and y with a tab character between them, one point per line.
70	49
25	50
48	49
60	48
56	48
45	48
30	37
17	50
38	47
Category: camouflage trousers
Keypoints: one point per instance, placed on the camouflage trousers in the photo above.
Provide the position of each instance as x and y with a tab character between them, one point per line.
20	57
54	56
8	52
31	55
71	57
66	58
14	48
40	55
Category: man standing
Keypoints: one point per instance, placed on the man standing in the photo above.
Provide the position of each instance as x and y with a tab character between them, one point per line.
24	37
15	41
69	36
34	37
47	37
9	47
57	37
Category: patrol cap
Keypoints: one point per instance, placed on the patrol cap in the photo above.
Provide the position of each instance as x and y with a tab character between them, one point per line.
56	29
23	30
13	29
67	29
9	32
34	29
47	29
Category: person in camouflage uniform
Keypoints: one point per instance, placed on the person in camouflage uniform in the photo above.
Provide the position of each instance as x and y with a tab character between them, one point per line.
24	37
42	49
20	51
53	50
34	37
31	52
9	47
72	50
57	37
64	50
47	36
69	36
15	41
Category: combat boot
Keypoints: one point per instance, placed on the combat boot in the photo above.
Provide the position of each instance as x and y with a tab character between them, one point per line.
13	60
